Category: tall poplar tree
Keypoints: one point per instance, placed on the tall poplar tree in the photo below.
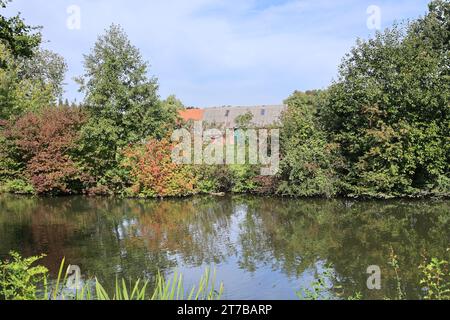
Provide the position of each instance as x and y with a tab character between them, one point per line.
122	101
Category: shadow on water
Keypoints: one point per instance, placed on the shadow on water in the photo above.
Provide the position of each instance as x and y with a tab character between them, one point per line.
263	248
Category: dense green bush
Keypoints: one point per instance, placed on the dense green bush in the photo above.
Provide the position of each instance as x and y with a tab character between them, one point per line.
229	179
213	179
17	186
11	168
309	162
389	110
19	280
244	178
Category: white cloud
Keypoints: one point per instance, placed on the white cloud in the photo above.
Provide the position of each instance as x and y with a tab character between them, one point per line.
213	52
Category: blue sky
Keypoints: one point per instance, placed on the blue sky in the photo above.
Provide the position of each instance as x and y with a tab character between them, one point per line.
221	52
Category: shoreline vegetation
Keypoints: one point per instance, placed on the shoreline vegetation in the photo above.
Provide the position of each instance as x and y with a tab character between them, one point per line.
381	130
21	279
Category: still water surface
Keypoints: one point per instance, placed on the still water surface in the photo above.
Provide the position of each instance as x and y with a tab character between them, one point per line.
262	248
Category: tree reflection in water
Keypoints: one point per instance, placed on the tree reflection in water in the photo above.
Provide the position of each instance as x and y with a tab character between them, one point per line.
262	247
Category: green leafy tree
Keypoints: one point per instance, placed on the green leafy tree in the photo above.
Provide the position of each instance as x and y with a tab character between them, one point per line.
172	103
19	93
21	38
122	101
244	121
170	113
308	161
30	78
389	109
45	67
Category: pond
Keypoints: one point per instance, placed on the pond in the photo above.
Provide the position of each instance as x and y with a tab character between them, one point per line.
261	248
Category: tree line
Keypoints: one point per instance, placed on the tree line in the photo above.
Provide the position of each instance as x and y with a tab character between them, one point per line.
381	129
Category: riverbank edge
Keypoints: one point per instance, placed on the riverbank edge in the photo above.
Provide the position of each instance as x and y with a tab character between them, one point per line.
357	198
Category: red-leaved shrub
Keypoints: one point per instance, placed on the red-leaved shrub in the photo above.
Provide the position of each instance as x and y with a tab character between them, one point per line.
46	142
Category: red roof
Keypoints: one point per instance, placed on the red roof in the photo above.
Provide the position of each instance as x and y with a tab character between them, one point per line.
192	114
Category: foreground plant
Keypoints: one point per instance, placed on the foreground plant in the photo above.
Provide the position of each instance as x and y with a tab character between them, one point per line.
436	280
394	263
20	281
165	289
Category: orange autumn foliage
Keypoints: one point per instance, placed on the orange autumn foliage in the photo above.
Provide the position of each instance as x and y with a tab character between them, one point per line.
153	174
